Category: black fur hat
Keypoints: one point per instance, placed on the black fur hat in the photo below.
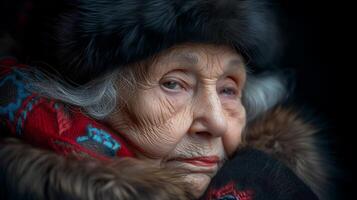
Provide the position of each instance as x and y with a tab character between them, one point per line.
97	36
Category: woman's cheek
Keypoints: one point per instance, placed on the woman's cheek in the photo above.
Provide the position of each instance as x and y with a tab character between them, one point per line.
236	117
161	124
232	140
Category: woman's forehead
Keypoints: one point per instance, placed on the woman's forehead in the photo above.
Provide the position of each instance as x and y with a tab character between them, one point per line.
195	51
200	56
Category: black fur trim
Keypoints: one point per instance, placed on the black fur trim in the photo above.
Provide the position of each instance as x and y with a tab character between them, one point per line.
97	36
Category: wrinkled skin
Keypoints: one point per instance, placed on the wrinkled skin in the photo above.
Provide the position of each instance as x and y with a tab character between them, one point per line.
187	104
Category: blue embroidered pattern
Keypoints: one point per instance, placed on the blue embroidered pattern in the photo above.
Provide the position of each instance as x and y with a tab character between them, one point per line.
100	137
21	93
23	115
228	197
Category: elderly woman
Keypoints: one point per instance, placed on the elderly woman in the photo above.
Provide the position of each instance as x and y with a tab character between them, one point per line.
172	84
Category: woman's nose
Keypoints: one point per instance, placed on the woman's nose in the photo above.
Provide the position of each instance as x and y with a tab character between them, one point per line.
209	117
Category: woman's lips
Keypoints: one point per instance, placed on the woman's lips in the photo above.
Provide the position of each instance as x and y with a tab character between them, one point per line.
204	161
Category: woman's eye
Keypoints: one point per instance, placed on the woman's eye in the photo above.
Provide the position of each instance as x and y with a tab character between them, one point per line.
229	91
172	85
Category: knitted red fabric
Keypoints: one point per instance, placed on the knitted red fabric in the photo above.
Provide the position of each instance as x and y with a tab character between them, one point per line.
50	124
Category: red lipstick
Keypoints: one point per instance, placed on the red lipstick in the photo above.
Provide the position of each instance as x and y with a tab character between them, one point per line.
204	161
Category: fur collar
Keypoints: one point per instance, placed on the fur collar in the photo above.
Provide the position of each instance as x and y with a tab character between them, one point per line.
287	136
31	173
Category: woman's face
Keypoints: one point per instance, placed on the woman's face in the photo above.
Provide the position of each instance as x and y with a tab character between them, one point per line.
185	110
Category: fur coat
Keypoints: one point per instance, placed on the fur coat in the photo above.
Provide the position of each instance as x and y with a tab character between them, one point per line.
27	172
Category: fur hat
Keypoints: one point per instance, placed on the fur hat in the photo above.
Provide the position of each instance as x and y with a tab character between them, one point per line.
97	36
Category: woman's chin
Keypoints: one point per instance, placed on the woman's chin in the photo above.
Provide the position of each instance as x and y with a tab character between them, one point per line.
198	183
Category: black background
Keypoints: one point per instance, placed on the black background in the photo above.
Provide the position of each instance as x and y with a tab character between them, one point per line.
319	47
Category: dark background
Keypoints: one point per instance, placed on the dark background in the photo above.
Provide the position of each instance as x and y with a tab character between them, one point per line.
318	47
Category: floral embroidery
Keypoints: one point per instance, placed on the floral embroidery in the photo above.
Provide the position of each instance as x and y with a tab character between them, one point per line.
24	113
229	192
14	82
99	141
63	118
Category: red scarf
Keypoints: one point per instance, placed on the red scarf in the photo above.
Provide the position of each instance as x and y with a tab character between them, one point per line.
50	124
